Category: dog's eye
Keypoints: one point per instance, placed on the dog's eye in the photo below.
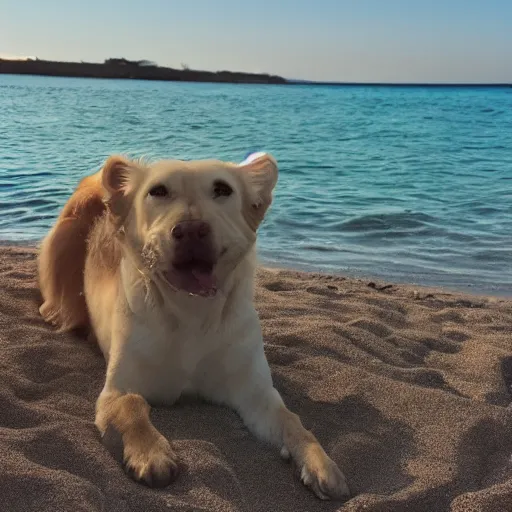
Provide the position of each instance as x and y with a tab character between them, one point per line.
221	189
159	191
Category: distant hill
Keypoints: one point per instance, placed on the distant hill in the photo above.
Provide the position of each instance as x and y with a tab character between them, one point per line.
127	69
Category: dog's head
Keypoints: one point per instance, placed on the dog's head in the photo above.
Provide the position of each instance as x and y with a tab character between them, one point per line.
189	223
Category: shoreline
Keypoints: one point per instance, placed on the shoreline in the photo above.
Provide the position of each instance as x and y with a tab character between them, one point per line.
382	280
376	282
382	284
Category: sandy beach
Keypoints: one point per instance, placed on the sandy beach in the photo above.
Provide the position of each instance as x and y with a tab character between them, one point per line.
408	389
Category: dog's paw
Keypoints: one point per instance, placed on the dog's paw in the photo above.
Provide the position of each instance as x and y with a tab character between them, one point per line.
48	314
156	465
321	474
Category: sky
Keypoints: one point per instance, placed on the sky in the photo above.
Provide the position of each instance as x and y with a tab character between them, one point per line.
329	40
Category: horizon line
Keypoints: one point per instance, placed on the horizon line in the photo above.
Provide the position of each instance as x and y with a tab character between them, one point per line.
291	81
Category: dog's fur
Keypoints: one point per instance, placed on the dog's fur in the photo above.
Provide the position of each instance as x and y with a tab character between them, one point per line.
105	265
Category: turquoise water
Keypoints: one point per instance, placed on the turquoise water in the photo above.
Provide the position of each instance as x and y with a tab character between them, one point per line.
406	184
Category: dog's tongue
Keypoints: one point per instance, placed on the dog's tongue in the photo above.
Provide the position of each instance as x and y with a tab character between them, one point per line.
205	281
195	281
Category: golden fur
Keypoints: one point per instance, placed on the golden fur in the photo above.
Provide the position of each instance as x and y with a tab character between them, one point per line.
166	328
62	257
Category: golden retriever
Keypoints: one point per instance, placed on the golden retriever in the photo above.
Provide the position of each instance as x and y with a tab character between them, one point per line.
158	261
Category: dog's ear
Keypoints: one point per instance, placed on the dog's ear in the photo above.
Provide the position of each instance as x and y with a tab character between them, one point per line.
120	177
260	172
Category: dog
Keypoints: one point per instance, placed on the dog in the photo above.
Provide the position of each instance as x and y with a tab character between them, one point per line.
157	260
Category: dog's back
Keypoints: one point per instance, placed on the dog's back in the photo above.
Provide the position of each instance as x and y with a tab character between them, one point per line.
63	253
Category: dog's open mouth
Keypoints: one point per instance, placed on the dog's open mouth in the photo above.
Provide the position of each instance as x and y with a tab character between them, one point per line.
194	277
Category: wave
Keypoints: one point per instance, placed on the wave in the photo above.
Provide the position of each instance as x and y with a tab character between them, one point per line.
388	222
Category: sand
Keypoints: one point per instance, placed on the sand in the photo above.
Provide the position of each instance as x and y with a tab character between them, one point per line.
407	389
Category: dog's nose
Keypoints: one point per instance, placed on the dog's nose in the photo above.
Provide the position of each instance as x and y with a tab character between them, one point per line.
190	230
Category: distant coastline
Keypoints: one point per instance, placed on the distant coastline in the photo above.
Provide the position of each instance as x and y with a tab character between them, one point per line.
125	69
145	70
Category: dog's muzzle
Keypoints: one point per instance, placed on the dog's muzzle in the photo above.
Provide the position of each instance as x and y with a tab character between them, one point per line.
193	259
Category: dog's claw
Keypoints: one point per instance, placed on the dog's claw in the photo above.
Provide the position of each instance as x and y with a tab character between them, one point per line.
156	468
321	474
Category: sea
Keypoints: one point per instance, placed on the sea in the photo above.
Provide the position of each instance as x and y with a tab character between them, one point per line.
401	184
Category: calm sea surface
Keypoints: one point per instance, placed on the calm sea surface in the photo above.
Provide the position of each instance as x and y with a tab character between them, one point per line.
406	184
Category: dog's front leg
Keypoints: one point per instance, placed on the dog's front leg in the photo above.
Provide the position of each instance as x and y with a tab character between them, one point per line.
148	456
262	409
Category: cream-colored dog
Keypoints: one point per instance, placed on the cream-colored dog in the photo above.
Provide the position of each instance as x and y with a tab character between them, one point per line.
159	260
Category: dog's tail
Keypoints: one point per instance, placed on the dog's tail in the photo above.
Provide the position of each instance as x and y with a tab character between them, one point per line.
62	256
